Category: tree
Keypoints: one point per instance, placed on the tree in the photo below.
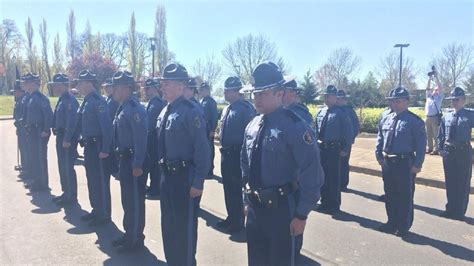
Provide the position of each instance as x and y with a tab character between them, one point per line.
208	69
10	41
30	46
58	59
114	47
453	64
245	53
43	31
97	63
163	55
132	46
469	82
366	93
389	71
339	67
308	89
72	43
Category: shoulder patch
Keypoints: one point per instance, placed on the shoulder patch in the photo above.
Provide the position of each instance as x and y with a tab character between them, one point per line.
197	122
292	115
308	138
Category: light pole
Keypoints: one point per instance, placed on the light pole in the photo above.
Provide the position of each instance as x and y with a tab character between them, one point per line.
401	58
153	47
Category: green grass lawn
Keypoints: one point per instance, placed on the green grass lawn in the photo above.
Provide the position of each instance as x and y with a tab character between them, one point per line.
7	103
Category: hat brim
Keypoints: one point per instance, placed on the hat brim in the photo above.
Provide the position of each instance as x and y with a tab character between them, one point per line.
397	97
246	89
233	88
79	80
455	97
345	96
63	82
269	86
174	79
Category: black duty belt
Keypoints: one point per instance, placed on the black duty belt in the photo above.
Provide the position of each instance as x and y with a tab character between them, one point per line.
230	149
460	146
330	144
397	156
124	153
270	197
58	131
174	167
87	141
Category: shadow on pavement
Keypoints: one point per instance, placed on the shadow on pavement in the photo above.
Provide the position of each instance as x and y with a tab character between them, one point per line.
212	220
42	200
72	215
429	210
362	221
447	248
302	260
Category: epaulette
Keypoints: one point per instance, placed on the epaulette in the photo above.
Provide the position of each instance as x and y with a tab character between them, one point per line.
292	115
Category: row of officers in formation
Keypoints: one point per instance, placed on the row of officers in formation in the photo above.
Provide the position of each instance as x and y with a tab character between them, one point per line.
276	162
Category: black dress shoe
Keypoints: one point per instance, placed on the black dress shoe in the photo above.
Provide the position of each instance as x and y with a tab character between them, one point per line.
99	222
223	224
381	197
401	233
234	228
324	209
119	241
130	248
87	216
387	228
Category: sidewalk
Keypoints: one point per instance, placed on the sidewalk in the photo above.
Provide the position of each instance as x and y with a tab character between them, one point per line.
6	117
363	161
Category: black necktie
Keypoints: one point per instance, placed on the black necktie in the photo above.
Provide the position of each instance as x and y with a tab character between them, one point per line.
161	136
391	135
115	141
256	163
224	121
323	125
55	113
453	127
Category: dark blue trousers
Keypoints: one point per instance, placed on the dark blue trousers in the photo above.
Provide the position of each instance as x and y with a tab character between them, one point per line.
268	235
154	169
23	149
331	190
213	153
178	220
67	174
98	182
399	187
38	155
133	202
458	173
232	181
345	169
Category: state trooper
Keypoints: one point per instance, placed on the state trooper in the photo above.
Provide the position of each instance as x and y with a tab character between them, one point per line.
384	114
38	118
234	119
334	131
110	163
349	111
130	131
190	93
153	109
209	107
400	150
279	160
184	152
95	129
291	100
455	146
20	95
64	127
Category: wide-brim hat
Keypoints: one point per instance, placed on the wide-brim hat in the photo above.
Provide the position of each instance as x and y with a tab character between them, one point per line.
232	83
457	92
330	90
267	76
86	75
151	83
342	94
29	77
290	83
60	78
204	85
398	93
107	82
123	78
174	72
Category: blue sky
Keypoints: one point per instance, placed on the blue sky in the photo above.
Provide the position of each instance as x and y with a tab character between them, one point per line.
305	32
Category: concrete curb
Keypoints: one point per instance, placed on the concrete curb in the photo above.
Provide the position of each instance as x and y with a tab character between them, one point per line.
6	118
419	180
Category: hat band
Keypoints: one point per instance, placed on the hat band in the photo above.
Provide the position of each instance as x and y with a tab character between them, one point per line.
276	84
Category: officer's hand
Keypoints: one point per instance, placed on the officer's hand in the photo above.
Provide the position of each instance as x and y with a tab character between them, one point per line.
194	192
343	154
44	134
137	172
415	170
66	144
103	155
297	227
